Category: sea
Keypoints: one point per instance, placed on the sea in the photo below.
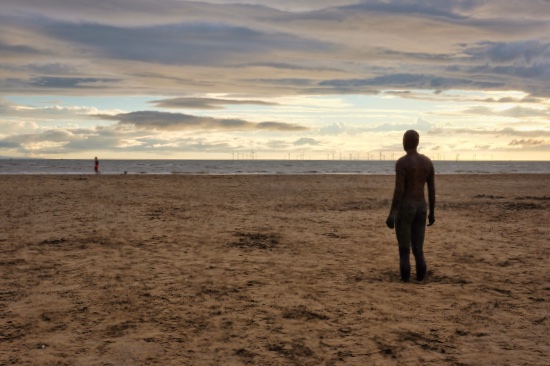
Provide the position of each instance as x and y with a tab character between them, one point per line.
254	167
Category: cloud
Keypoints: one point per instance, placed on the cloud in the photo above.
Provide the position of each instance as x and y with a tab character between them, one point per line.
47	82
64	141
342	128
53	135
420	125
64	82
226	46
23	50
521	112
295	82
285	66
523	65
53	112
290	6
39	68
482	147
280	126
181	122
6	144
526	52
489	131
454	9
306	141
199	43
538	71
56	68
527	99
527	142
205	103
50	141
515	112
335	129
410	81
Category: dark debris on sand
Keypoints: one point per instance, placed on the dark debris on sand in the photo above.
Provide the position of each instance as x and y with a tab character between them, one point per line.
256	240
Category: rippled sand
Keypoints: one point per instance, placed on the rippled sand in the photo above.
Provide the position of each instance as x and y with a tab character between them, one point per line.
269	270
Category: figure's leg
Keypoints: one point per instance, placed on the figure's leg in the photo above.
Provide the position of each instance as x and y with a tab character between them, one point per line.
404	263
403	233
417	241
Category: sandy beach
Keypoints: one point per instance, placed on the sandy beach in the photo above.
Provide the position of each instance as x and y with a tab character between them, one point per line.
269	270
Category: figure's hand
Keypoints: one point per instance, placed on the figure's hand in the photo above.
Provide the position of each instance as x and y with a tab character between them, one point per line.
431	219
390	222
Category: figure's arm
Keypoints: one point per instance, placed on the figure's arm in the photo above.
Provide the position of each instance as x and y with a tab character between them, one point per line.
397	194
431	195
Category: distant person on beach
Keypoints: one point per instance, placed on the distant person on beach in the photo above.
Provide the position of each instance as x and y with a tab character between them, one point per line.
96	166
408	208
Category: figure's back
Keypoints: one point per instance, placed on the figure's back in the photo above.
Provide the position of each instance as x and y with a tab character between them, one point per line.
416	169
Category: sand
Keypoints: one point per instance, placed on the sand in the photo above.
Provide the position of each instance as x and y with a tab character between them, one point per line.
269	270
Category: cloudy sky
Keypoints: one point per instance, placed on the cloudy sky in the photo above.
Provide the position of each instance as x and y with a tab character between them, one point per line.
319	79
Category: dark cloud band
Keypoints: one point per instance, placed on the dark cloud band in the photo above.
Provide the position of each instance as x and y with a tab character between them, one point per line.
205	103
180	122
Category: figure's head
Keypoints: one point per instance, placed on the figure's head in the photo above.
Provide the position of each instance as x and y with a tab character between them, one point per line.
410	140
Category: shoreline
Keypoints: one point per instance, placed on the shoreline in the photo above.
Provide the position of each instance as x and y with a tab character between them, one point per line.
256	167
258	174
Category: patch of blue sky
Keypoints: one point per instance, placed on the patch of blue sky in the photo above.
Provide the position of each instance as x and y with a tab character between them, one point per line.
358	110
389	102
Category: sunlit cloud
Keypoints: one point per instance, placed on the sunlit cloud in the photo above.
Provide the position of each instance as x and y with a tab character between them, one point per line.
341	128
306	141
528	142
492	132
516	112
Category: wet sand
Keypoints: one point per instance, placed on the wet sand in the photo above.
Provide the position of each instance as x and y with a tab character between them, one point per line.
269	270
